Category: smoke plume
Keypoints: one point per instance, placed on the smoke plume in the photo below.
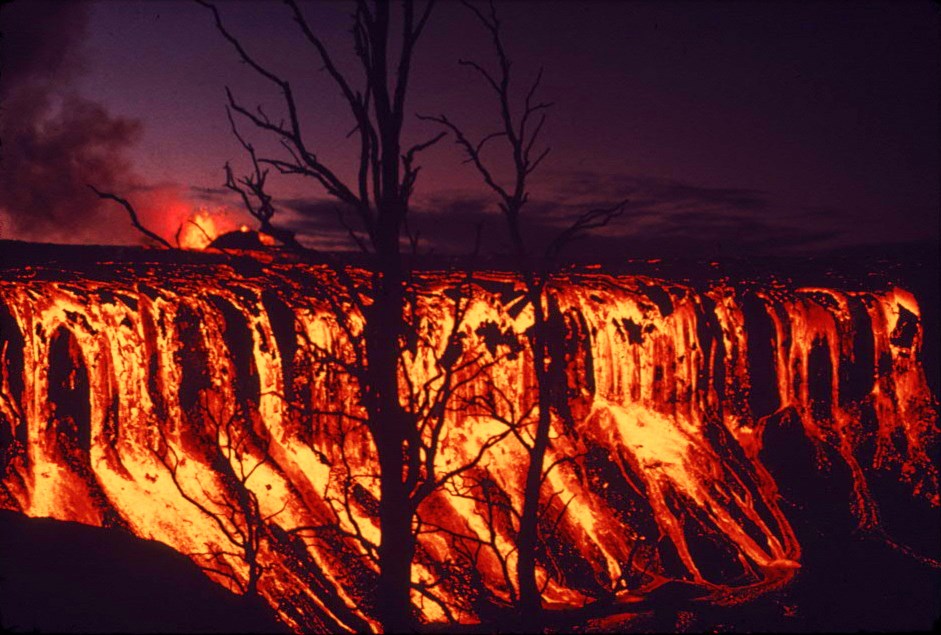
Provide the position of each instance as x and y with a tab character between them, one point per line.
54	141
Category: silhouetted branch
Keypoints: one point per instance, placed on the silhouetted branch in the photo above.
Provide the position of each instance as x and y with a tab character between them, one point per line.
294	135
132	213
522	136
411	173
584	223
238	513
379	322
253	184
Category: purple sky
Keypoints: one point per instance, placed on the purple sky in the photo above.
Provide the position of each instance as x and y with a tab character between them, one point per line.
755	126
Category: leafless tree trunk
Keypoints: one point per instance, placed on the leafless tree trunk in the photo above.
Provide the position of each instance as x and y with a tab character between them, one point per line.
407	437
521	135
380	199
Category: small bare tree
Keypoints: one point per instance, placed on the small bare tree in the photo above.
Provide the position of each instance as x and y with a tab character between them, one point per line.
235	451
522	136
380	201
406	419
251	189
431	399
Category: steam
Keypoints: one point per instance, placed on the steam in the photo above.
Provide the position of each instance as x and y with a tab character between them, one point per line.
54	140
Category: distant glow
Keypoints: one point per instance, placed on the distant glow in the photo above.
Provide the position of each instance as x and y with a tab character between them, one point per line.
204	226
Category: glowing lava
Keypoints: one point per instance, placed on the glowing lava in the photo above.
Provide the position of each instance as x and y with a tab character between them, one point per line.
203	227
197	409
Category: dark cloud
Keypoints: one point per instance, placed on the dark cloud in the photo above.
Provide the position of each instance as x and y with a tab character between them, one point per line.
212	194
670	218
447	223
448	226
313	209
316	221
662	218
54	141
659	195
40	40
459	204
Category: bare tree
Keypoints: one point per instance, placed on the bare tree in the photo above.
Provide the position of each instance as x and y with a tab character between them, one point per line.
380	199
235	451
431	400
522	137
374	209
255	198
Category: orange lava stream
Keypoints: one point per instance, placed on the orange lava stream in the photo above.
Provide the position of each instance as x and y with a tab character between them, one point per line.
121	395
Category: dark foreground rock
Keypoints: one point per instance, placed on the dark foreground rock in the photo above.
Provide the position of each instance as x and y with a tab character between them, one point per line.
64	577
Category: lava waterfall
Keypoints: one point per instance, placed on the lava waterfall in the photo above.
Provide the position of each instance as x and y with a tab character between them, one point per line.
218	412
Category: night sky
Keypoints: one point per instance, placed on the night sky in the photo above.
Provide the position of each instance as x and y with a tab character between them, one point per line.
732	128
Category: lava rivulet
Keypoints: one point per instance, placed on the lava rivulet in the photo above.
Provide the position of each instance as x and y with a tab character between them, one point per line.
212	411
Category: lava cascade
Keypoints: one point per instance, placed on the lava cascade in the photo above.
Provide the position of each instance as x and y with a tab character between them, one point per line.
210	410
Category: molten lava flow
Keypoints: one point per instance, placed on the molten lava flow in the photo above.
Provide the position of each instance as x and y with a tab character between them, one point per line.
216	413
